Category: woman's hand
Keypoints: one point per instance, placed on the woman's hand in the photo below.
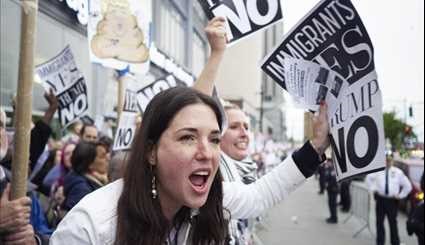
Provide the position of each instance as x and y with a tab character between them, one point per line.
320	141
217	38
216	33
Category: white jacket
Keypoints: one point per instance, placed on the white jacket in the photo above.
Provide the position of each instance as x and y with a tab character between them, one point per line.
93	220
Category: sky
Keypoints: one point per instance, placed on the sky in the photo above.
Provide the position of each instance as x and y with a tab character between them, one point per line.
396	28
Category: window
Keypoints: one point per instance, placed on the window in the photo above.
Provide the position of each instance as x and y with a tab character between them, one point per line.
171	34
200	47
199	54
199	18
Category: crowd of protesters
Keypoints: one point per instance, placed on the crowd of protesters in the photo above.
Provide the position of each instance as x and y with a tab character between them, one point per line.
186	180
64	172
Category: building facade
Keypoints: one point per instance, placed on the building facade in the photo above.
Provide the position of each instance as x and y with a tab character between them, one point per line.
178	41
273	106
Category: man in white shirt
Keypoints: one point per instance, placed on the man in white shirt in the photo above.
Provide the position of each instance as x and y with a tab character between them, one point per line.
389	187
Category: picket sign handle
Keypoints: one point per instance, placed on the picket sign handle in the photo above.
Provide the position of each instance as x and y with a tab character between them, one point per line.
120	106
24	99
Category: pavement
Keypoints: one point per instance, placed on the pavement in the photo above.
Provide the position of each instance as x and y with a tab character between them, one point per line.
300	220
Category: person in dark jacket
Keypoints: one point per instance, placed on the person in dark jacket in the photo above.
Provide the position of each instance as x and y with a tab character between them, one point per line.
40	133
322	179
415	223
89	172
345	196
332	189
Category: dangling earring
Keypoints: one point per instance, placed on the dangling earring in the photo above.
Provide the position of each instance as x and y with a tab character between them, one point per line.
154	191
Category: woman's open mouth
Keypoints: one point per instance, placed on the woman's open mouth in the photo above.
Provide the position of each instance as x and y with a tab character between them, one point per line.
199	181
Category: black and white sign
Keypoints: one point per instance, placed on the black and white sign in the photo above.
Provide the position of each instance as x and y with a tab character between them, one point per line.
62	76
127	126
146	94
136	101
333	36
244	17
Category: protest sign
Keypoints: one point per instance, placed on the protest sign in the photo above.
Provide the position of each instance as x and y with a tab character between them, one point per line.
146	94
244	17
62	76
333	36
118	34
127	126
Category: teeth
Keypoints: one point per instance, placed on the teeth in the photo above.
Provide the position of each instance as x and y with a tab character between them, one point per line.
202	173
241	145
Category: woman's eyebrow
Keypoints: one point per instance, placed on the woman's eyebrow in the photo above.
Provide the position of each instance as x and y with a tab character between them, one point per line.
192	130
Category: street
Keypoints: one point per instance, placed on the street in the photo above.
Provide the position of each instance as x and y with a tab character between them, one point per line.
300	220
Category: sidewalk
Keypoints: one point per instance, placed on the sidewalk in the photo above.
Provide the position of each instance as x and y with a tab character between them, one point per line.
300	220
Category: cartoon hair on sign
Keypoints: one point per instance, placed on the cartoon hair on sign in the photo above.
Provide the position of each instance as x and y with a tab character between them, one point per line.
118	36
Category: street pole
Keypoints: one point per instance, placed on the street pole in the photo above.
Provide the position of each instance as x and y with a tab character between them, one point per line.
262	106
24	98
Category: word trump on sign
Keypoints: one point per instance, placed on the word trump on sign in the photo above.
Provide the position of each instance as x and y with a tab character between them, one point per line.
244	17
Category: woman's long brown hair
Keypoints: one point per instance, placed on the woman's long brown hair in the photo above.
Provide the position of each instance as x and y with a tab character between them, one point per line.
140	218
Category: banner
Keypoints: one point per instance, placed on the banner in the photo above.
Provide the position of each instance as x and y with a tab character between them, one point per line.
333	36
62	76
127	125
146	94
244	17
118	34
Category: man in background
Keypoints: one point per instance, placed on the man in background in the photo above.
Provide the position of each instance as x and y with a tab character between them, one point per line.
389	187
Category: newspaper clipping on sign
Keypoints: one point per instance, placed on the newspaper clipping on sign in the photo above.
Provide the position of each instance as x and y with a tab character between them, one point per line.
244	17
118	34
310	84
333	37
61	75
127	125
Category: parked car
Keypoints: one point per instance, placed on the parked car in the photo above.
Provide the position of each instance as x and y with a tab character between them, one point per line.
414	169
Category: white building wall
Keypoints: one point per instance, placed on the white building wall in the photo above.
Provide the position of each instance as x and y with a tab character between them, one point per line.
240	75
